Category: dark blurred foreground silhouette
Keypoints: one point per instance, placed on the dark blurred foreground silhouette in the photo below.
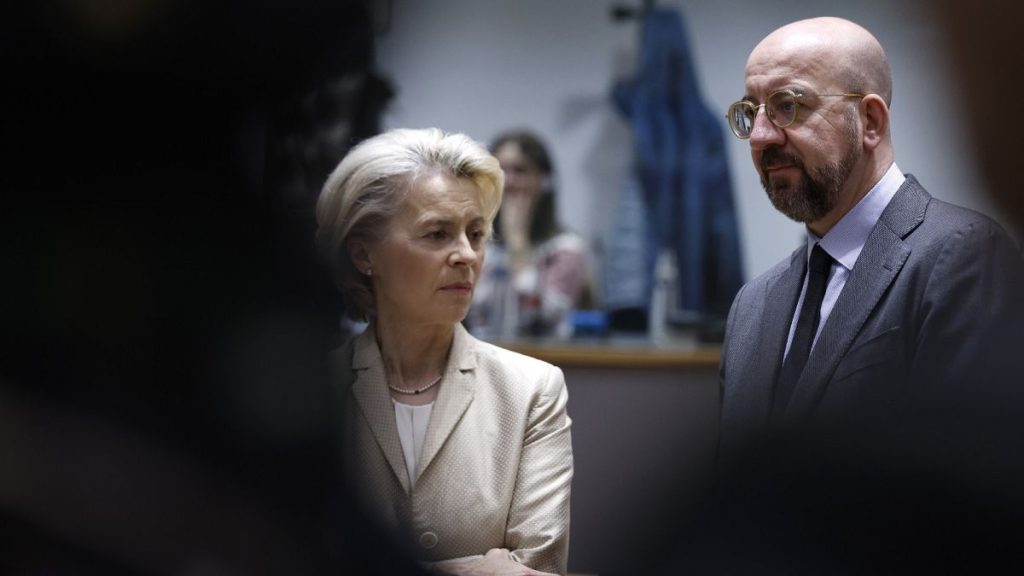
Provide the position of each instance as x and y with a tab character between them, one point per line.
164	407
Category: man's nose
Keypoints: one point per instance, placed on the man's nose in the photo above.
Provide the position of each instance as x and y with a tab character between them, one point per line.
764	132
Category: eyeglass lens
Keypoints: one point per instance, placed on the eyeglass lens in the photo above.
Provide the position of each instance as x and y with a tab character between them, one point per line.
781	109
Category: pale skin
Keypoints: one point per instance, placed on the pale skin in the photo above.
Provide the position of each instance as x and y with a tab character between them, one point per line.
496	562
823	56
423	271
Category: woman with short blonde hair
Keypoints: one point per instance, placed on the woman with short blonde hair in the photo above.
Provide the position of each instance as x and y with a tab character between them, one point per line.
463	447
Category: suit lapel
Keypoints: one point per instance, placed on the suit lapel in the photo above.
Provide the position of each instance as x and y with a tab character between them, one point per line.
879	264
781	304
371	394
455	396
751	397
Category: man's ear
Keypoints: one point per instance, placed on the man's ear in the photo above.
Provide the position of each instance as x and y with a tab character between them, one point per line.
876	120
360	255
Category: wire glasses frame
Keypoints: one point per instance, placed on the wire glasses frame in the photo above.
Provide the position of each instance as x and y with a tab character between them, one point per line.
781	108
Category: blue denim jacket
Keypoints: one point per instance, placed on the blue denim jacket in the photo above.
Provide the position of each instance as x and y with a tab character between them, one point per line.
683	174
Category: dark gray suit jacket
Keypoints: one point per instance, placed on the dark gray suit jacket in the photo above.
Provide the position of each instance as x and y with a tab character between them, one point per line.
914	315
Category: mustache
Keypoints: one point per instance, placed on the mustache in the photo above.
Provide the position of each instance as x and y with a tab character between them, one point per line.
777	157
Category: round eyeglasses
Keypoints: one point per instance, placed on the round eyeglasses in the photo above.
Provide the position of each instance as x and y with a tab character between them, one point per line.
780	107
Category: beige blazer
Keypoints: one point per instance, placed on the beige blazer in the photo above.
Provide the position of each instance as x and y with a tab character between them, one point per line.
496	466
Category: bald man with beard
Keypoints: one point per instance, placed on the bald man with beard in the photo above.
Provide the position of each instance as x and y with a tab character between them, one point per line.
893	446
891	301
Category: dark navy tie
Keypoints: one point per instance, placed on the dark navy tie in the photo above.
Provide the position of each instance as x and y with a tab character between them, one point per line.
806	328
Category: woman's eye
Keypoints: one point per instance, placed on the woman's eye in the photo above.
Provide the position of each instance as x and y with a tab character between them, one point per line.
437	235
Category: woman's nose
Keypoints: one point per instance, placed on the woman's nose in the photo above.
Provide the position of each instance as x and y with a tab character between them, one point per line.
463	254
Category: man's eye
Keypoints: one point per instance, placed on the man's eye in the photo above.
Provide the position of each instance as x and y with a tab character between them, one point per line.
437	235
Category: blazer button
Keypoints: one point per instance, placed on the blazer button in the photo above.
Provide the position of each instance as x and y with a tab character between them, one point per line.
428	540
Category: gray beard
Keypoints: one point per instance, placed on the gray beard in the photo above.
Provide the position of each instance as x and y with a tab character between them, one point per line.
812	196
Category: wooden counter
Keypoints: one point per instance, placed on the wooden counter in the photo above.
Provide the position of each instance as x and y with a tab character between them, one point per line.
617	354
644	425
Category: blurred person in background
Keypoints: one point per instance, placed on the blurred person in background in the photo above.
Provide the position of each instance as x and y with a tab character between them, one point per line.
537	271
460	447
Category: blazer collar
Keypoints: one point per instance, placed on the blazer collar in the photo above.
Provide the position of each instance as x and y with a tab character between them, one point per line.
457	390
369	387
880	262
371	393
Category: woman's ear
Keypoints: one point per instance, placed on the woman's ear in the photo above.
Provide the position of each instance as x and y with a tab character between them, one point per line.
360	255
876	120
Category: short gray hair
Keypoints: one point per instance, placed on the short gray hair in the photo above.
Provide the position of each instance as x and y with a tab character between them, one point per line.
370	183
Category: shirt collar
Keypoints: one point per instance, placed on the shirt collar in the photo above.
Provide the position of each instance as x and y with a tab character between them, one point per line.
846	239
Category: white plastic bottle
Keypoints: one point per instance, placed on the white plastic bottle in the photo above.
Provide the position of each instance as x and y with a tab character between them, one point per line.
663	292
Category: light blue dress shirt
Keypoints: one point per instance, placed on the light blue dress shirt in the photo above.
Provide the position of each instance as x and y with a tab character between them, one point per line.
845	241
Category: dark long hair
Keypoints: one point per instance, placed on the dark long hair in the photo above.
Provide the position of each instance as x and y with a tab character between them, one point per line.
544	222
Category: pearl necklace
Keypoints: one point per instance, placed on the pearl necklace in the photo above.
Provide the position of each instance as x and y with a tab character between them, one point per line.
417	390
